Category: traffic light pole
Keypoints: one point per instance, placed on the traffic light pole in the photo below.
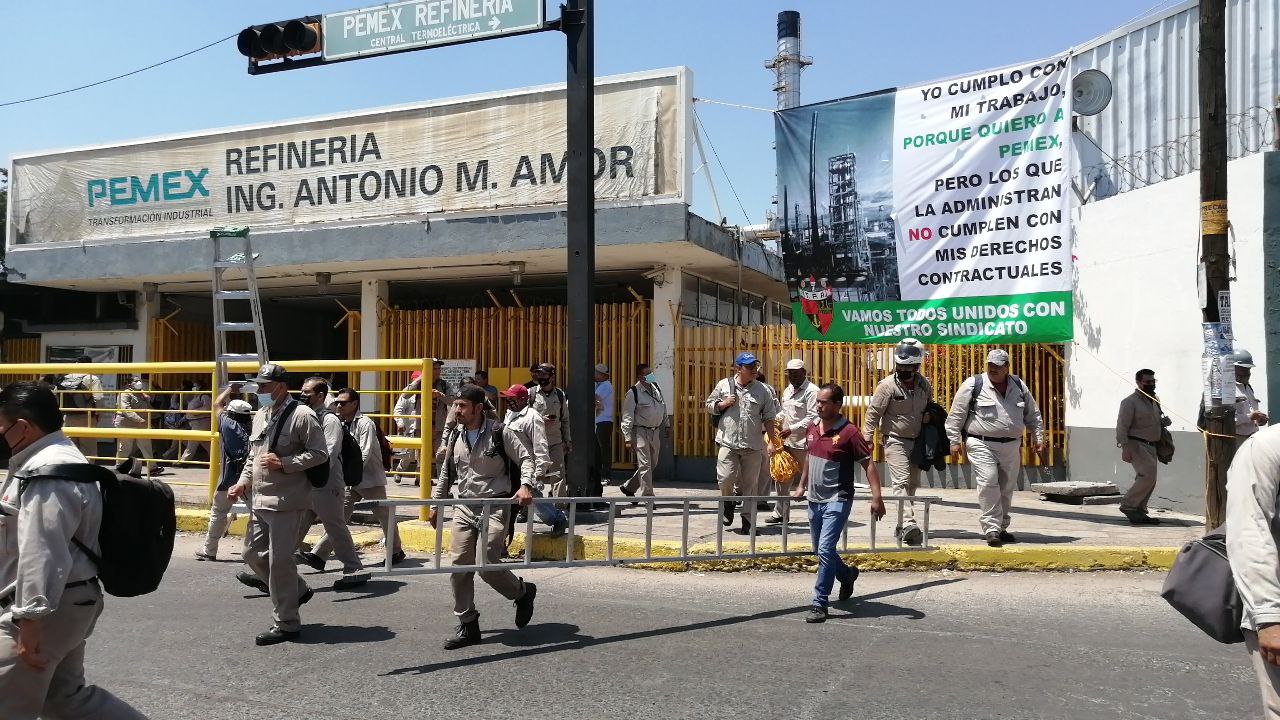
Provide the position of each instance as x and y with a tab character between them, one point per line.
577	21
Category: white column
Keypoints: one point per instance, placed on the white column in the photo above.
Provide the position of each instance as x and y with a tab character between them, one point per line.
148	309
666	318
374	294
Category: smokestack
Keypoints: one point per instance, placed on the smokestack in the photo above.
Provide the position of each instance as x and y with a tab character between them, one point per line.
788	63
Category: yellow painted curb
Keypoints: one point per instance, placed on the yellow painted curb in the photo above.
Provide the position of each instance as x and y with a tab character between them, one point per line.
419	537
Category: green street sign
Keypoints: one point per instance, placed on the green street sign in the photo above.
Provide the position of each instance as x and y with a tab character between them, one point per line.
424	23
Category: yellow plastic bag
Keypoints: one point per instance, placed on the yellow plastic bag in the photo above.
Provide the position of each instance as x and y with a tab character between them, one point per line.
782	467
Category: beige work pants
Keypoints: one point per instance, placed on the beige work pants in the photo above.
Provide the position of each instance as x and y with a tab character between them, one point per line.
739	470
324	548
1145	467
219	520
1268	677
995	471
273	538
904	476
59	690
328	506
464	539
126	446
647	442
556	477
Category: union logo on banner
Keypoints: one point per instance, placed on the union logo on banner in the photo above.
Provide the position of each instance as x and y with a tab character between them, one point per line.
816	302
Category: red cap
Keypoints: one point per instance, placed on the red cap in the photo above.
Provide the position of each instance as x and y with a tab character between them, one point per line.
415	375
515	391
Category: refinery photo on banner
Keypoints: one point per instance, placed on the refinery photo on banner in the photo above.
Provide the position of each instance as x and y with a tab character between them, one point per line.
939	212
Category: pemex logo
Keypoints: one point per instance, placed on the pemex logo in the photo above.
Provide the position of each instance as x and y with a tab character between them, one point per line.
158	187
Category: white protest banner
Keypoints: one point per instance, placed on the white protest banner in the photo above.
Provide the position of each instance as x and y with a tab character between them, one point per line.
957	233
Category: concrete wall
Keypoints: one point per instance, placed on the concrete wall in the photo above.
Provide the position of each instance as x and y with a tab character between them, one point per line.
1136	306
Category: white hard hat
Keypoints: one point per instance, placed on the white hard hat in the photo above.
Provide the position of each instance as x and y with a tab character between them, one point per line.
908	352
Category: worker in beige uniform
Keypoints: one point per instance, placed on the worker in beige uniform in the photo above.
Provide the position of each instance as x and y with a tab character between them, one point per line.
897	411
799	410
1249	415
372	485
549	402
81	394
327	502
1253	550
127	417
50	599
476	464
285	441
644	413
988	417
743	409
441	401
1138	429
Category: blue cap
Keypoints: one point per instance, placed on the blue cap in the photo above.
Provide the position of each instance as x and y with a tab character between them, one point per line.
745	358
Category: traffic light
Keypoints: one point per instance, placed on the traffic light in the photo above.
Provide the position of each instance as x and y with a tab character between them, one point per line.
276	40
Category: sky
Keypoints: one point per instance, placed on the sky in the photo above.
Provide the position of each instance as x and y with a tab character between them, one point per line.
857	46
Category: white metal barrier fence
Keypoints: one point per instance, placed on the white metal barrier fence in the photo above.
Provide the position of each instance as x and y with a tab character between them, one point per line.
688	506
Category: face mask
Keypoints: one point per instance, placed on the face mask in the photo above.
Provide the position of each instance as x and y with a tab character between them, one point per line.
1149	389
137	385
651	379
265	400
6	450
906	374
544	381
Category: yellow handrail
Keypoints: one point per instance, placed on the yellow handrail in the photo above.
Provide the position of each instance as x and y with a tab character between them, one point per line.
422	443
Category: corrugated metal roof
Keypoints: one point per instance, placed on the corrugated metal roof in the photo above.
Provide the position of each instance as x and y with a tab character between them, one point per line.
1149	132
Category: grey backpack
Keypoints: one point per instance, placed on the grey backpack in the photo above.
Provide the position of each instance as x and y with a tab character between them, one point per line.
1200	586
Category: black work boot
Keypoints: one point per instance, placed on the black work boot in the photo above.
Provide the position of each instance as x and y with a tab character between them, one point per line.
524	605
468	633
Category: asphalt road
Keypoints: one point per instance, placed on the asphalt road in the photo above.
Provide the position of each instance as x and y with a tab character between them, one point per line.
635	644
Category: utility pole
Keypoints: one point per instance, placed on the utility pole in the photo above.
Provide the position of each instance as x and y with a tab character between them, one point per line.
1219	415
577	20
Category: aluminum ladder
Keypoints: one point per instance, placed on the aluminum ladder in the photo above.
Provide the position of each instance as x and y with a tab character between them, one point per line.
241	261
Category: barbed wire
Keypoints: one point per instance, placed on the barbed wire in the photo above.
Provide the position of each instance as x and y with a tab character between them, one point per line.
1248	132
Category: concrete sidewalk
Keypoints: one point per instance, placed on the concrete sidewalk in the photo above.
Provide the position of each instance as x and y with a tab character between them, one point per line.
1050	535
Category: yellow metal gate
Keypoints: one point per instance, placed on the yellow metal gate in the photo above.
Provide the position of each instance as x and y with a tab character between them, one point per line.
508	340
704	357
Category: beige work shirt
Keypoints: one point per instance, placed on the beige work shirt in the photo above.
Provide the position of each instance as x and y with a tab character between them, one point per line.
741	426
477	468
1139	417
301	446
896	411
642	406
366	435
37	556
995	415
799	411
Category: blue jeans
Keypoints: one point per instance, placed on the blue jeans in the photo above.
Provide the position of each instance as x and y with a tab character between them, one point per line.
826	523
546	512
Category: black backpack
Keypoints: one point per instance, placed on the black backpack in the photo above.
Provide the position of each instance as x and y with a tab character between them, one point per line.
352	459
138	525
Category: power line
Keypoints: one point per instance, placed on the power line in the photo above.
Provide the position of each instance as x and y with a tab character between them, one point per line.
703	128
117	77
